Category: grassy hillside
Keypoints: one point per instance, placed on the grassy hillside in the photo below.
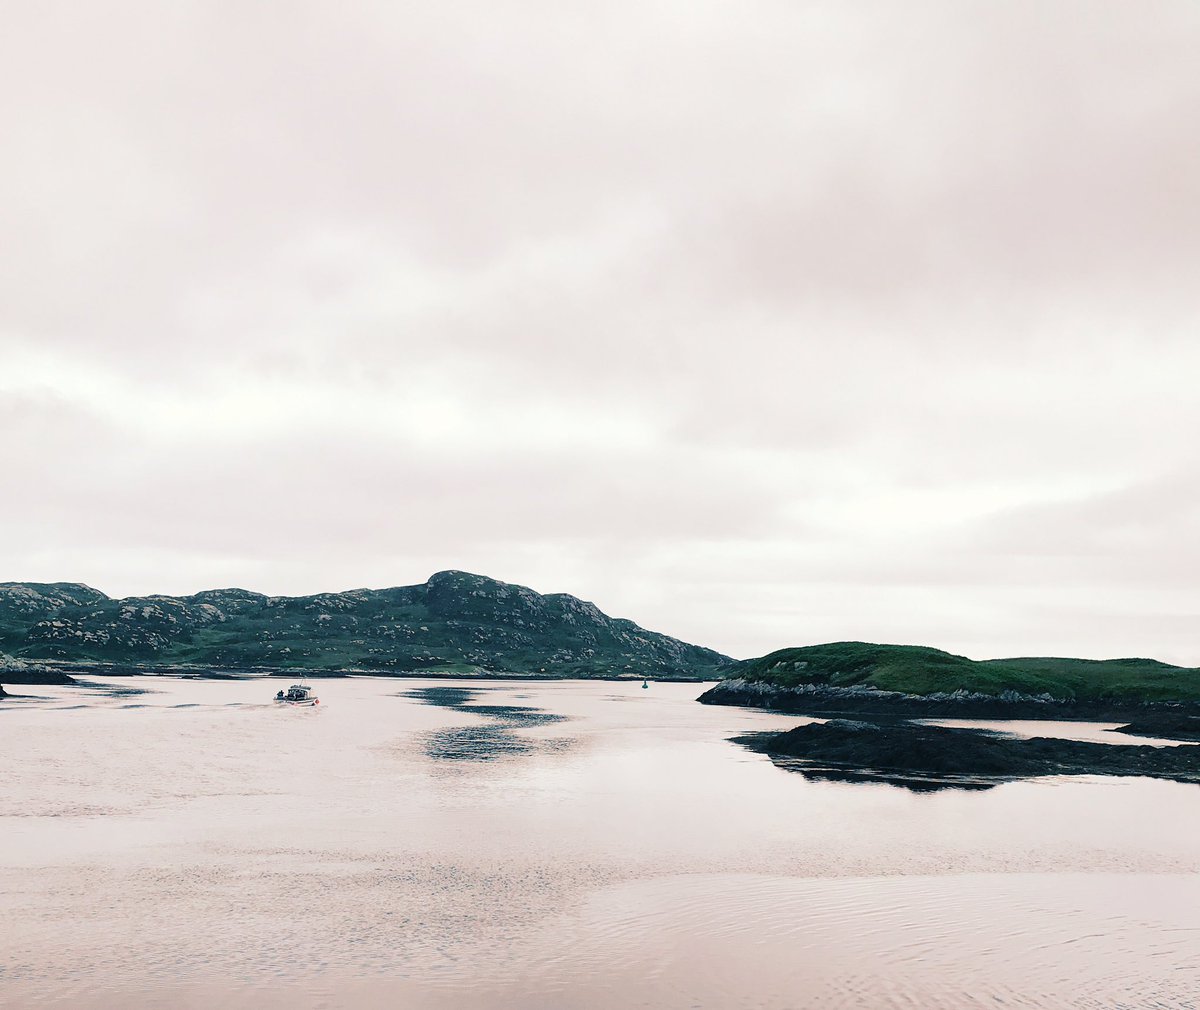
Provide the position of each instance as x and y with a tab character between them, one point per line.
915	669
455	622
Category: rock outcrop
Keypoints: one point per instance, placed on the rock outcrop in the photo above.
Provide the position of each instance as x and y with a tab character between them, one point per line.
920	756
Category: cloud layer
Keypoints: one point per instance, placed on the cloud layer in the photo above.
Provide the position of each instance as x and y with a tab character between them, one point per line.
762	324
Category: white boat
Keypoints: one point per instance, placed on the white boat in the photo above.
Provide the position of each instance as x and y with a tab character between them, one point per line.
298	694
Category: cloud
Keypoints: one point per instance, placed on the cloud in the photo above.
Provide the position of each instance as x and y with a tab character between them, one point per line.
761	326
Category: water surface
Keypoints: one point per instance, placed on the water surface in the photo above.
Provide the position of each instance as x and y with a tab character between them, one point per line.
552	844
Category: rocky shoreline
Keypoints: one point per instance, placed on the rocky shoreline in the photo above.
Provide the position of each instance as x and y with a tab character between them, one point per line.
1165	725
872	735
22	671
52	673
824	700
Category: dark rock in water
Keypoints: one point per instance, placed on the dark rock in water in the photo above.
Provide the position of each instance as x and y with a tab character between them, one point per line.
907	753
1165	726
38	677
22	671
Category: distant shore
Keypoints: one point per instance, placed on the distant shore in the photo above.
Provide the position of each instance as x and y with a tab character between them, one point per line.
64	673
823	700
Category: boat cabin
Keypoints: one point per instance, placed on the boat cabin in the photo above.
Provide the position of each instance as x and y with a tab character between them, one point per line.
297	692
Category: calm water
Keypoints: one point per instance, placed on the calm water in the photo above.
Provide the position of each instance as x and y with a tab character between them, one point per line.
552	845
1092	732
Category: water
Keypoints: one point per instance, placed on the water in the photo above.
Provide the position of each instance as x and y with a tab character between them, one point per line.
1090	732
552	845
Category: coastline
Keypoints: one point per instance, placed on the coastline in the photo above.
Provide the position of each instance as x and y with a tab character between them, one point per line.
65	673
821	700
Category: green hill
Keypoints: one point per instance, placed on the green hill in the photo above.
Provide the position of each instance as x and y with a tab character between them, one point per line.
919	670
455	622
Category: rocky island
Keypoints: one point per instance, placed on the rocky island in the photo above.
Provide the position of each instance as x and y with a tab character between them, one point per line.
876	693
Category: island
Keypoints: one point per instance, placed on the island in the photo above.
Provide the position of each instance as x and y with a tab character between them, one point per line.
845	678
869	703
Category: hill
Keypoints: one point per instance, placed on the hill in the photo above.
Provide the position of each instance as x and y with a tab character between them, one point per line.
858	675
454	623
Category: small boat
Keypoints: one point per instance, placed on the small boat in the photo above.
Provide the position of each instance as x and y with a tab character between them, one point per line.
645	684
298	694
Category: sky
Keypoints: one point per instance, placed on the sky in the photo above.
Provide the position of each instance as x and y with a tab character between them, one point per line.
762	324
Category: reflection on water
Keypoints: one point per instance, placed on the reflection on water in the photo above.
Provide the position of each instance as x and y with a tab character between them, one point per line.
496	737
614	849
912	782
447	697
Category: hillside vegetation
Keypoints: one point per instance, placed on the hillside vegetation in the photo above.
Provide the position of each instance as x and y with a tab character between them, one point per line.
456	622
919	670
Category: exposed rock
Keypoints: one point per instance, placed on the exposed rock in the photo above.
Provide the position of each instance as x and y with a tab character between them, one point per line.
929	756
1166	725
21	671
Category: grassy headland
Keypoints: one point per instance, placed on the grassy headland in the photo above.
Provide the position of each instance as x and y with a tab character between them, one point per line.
920	670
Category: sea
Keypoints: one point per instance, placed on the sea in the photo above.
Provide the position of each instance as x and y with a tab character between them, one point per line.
568	845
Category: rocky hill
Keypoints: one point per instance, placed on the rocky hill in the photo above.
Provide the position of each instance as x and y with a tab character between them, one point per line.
454	623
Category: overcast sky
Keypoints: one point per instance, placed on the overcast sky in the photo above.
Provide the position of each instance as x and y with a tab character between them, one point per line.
762	324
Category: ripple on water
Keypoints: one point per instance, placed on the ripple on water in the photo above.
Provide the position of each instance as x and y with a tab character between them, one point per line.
495	738
243	858
441	935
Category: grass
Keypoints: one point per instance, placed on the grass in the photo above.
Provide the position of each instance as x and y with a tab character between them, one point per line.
916	669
